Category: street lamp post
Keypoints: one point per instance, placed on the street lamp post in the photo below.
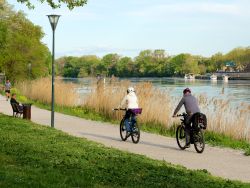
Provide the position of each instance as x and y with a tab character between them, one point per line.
53	19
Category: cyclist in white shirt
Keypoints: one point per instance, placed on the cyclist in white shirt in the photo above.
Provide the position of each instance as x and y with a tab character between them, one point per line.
130	102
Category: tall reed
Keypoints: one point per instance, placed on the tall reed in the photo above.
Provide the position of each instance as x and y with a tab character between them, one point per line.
157	105
40	90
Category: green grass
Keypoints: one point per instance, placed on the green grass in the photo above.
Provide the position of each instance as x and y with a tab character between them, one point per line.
211	138
38	156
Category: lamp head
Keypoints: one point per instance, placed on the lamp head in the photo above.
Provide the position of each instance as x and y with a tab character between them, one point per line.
53	19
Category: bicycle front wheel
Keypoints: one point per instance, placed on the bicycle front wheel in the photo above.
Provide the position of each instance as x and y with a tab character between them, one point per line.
123	132
181	137
135	134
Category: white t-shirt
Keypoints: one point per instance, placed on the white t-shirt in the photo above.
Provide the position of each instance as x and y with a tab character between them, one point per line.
130	100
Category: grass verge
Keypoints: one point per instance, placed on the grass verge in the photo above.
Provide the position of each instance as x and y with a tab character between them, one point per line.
38	156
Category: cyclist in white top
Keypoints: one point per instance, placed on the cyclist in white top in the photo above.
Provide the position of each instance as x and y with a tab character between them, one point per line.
130	102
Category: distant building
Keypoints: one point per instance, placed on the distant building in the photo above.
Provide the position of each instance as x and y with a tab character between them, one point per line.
229	66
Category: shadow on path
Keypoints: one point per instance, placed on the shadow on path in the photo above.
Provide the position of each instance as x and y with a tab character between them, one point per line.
141	142
100	136
159	145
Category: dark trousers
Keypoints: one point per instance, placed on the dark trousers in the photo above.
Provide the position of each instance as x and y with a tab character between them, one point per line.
188	121
128	125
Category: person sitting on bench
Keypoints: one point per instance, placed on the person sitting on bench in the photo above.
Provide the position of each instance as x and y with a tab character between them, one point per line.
14	101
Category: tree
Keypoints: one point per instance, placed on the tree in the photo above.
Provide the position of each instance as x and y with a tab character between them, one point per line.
22	54
56	4
241	56
125	67
109	61
71	70
151	63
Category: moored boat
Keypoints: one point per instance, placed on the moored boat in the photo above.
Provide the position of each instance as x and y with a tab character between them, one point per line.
225	77
189	77
213	77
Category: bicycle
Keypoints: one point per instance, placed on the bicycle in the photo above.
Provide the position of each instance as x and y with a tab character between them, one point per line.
196	134
135	131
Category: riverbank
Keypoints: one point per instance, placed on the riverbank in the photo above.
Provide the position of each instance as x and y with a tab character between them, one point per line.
231	76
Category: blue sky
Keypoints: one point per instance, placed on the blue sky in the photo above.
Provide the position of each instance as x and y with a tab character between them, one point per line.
201	27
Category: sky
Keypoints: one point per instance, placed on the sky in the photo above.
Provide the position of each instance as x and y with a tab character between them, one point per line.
200	27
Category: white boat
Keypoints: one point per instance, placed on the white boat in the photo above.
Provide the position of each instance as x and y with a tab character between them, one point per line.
225	77
189	77
213	77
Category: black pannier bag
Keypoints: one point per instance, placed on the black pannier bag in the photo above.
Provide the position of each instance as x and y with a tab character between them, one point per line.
199	120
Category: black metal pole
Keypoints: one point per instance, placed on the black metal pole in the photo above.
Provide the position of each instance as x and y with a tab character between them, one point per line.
53	75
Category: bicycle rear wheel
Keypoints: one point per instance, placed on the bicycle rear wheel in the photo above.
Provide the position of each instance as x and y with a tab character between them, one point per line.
123	132
135	134
181	137
199	142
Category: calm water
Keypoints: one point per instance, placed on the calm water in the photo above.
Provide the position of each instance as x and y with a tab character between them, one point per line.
236	91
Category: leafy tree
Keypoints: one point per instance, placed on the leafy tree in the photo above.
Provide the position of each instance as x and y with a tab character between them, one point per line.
109	61
56	4
151	63
22	54
70	70
241	56
177	63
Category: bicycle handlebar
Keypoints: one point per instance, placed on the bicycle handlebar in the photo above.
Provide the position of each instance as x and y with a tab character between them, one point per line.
181	115
124	109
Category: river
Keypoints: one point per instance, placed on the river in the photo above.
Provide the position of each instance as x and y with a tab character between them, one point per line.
237	91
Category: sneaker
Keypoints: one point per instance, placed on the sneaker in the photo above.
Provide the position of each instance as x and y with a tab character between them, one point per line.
187	146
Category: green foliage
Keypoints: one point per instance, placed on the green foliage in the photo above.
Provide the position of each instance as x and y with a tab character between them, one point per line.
78	66
151	63
56	4
22	54
38	156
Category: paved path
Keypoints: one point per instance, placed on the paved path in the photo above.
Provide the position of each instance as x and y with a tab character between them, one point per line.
226	163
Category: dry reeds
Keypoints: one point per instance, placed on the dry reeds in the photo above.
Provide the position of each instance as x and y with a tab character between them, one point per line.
157	108
157	105
40	90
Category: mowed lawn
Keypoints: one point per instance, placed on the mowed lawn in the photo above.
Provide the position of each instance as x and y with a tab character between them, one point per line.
37	156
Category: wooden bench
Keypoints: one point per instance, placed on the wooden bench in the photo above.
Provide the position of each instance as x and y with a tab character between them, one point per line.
16	110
